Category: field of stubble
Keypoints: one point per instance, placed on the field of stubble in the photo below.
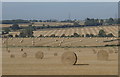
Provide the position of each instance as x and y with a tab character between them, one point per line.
51	64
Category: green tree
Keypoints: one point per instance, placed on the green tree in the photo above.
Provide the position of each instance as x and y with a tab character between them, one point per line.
110	21
63	35
53	35
27	32
15	27
102	33
110	35
76	35
5	30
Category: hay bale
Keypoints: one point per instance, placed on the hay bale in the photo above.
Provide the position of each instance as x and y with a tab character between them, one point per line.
21	49
56	40
21	41
39	55
94	51
69	58
12	56
62	41
59	44
8	51
3	42
55	54
24	55
102	55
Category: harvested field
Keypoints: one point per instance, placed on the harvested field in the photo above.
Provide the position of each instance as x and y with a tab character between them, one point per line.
87	63
80	30
21	60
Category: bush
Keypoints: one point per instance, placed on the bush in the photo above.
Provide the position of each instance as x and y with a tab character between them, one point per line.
92	35
16	35
10	35
82	35
102	33
63	35
41	36
110	35
76	35
87	35
15	27
53	35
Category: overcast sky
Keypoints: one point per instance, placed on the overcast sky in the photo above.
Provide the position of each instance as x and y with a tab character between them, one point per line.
59	10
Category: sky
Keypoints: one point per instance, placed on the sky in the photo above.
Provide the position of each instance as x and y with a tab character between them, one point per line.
59	10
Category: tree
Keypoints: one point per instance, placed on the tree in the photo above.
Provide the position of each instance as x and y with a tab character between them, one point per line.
91	35
75	23
15	27
16	35
119	33
53	35
10	35
101	21
28	32
87	35
76	35
110	35
63	35
22	33
5	30
102	33
41	36
110	21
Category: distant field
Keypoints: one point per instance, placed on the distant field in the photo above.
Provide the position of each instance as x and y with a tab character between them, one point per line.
70	31
41	24
80	30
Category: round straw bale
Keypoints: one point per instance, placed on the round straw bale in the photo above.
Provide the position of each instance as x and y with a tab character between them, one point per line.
102	55
21	49
59	44
39	55
56	40
55	54
24	55
21	41
12	56
8	51
94	51
69	58
3	42
80	40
